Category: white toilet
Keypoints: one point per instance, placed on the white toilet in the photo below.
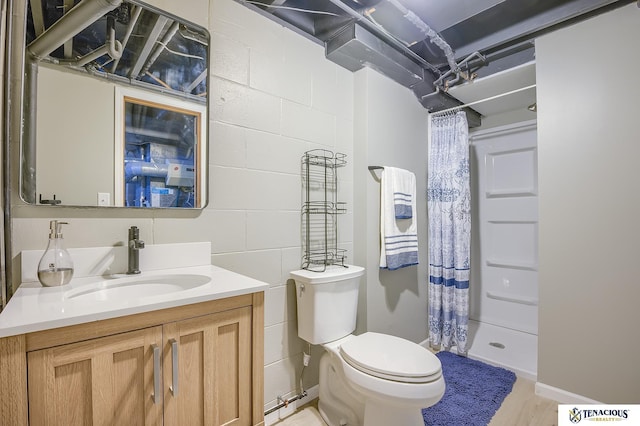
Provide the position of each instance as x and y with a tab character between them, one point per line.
368	380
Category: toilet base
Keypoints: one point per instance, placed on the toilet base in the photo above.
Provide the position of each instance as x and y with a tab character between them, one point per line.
337	403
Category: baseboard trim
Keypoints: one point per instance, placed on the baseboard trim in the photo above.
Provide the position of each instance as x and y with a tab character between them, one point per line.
562	396
276	416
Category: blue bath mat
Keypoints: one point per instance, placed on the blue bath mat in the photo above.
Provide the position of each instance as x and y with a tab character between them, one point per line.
474	393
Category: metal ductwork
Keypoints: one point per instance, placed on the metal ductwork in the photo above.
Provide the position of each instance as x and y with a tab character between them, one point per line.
355	47
429	45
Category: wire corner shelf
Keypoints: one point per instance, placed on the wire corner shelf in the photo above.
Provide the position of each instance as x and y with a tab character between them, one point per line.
320	209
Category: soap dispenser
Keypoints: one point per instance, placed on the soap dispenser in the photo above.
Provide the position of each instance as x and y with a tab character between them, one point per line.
55	267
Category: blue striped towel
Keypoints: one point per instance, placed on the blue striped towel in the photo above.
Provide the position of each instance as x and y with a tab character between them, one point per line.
402	204
403	185
399	238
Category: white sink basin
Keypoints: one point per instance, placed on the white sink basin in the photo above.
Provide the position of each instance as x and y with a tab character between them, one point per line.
136	287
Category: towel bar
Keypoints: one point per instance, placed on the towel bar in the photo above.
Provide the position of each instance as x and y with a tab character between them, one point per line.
375	167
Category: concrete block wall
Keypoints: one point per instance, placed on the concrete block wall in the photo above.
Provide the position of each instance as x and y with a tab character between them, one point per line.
273	97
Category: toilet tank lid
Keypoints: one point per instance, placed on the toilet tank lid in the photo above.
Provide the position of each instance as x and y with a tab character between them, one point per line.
333	273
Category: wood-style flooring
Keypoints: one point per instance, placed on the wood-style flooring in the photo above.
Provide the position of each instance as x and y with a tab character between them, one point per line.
522	407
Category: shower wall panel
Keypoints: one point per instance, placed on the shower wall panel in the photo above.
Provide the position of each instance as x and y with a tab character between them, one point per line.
504	287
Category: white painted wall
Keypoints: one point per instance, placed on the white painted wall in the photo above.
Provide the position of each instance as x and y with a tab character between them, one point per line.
273	97
390	130
589	340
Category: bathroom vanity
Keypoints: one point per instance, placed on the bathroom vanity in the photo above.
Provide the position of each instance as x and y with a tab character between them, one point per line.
193	355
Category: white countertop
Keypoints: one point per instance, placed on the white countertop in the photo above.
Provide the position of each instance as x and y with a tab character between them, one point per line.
35	308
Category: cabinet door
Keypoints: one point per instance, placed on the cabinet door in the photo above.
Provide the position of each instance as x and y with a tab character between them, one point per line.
210	381
103	381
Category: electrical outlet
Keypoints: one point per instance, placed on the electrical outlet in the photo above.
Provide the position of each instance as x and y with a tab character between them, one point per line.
104	199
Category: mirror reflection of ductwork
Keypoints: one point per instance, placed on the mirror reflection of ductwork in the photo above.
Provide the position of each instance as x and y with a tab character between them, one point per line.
77	19
175	174
150	184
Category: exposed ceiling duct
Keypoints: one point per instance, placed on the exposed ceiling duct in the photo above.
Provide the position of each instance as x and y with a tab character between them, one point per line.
430	45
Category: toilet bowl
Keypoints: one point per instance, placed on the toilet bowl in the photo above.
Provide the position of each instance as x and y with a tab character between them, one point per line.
372	379
382	379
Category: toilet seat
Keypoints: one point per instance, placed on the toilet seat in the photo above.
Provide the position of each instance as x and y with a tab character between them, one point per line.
391	358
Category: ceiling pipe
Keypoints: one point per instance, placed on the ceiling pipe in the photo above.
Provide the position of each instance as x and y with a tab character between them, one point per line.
89	57
74	21
171	32
115	48
132	23
427	31
112	47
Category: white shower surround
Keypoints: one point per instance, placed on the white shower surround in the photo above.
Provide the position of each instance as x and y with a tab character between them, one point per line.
504	332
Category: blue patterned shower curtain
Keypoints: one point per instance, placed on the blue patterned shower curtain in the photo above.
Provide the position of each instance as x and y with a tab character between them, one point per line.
449	206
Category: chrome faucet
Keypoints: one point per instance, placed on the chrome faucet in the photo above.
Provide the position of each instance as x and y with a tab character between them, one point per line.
135	245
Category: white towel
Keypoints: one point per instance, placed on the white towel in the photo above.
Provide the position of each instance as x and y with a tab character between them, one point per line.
399	245
403	185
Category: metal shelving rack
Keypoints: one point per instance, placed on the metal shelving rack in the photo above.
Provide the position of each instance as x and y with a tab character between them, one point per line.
320	209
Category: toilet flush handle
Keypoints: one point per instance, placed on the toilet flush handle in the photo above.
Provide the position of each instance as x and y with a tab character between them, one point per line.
300	290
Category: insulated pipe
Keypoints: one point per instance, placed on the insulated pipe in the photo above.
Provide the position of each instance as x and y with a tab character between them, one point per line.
426	30
112	47
115	48
74	21
95	54
132	23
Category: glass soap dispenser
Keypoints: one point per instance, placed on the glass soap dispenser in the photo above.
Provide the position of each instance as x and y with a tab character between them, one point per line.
55	267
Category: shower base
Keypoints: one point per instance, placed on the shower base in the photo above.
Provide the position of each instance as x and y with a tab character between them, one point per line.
503	347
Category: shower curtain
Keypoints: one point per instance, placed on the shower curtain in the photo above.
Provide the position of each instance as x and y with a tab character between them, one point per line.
449	207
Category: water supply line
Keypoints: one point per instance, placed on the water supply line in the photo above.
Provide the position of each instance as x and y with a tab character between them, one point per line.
445	84
284	403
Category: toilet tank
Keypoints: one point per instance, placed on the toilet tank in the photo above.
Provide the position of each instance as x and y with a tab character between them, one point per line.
327	302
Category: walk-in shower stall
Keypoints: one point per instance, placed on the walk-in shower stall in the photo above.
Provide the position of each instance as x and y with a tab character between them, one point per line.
503	313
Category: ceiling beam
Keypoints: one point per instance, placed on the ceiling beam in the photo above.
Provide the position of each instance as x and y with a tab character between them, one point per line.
536	25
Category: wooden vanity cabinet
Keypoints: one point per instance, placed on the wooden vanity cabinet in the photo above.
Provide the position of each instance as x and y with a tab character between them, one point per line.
199	364
207	370
102	381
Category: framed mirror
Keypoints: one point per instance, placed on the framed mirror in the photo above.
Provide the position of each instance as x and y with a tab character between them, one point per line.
114	106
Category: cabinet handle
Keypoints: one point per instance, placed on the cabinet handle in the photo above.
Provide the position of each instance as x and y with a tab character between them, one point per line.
156	374
174	367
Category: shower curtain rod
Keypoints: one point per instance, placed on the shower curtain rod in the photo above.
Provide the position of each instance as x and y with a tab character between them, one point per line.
490	98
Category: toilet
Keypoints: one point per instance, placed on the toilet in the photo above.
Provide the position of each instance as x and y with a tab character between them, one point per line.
372	379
